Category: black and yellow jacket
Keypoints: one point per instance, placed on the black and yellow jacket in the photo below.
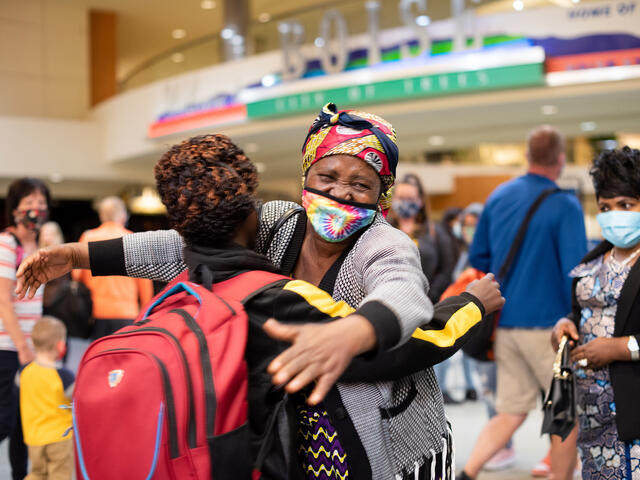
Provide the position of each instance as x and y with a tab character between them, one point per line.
296	301
379	275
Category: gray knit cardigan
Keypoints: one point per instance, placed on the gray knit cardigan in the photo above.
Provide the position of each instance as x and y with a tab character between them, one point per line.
382	266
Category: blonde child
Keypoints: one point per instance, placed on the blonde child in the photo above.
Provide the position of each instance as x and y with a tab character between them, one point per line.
44	392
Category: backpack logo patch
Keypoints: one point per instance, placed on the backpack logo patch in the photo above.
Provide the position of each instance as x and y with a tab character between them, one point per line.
115	377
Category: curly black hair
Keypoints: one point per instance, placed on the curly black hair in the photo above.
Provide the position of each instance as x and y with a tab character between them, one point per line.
208	185
616	173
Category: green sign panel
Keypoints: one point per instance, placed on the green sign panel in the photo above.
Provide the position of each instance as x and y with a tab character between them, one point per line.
402	89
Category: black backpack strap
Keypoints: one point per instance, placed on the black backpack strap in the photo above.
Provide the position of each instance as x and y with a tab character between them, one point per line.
279	223
517	242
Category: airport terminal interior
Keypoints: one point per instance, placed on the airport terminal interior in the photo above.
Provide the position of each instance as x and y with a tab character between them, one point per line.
93	92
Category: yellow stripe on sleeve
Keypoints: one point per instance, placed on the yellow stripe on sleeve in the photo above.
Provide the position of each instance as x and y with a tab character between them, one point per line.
459	324
319	299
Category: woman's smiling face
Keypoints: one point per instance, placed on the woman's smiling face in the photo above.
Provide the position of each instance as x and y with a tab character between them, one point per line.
345	177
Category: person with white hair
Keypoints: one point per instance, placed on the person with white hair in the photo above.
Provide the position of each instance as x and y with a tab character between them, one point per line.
116	300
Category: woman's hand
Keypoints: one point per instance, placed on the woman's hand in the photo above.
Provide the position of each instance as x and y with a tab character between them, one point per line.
602	351
487	290
318	352
47	264
563	327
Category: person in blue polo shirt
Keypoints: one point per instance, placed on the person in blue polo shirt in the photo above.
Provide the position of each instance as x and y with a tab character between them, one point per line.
537	289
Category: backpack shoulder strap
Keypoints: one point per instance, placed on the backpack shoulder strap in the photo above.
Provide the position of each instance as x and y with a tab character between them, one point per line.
517	242
247	285
280	223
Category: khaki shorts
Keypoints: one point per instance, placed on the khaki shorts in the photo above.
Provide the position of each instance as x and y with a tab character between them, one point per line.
53	461
524	359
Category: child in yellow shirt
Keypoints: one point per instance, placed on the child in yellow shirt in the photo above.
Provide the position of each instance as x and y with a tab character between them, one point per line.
44	392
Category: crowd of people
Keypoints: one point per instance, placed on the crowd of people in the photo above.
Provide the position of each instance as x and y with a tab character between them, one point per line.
374	300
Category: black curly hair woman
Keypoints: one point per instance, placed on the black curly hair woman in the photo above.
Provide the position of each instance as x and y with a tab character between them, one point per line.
605	324
208	185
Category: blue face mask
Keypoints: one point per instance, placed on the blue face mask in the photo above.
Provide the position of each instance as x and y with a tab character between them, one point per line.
622	228
405	208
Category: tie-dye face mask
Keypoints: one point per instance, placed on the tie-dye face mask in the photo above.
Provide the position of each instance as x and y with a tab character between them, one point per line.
333	219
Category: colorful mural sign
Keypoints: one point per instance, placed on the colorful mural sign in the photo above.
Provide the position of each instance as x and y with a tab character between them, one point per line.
593	35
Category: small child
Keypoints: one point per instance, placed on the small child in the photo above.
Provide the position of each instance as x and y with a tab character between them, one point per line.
44	390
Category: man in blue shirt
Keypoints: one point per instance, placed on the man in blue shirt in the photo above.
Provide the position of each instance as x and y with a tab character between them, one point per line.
537	291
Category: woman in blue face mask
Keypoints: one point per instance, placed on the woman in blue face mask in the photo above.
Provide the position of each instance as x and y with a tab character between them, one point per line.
438	252
604	325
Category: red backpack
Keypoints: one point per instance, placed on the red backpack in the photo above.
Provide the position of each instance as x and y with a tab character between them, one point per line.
166	398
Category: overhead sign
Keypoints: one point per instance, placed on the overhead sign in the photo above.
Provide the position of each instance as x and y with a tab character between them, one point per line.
503	69
593	35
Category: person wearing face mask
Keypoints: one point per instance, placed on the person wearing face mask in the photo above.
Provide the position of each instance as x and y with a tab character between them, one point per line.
533	259
27	206
438	254
339	240
604	325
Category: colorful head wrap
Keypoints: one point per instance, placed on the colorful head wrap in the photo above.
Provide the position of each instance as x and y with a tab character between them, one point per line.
359	134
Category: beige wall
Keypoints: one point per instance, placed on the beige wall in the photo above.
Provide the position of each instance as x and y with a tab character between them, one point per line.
43	58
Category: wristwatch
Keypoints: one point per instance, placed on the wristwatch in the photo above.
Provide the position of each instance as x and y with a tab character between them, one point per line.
633	347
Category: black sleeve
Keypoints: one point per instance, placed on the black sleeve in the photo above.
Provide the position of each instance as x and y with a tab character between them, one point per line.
107	257
384	322
454	321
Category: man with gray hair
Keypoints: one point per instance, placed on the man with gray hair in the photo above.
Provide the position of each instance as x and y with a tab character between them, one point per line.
537	289
116	300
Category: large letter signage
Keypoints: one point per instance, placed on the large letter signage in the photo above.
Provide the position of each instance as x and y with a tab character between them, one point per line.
291	38
424	42
334	52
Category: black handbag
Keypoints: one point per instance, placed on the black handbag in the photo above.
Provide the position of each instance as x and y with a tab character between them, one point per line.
559	408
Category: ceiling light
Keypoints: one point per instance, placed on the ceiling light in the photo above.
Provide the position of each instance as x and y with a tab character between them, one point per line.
436	140
588	126
423	20
518	5
207	4
56	177
260	167
177	57
575	1
179	33
319	42
147	203
269	80
228	33
549	109
264	17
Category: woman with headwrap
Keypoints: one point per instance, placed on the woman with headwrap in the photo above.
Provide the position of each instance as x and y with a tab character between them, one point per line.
385	418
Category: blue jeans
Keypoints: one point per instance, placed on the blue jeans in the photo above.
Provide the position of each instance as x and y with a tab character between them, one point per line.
441	370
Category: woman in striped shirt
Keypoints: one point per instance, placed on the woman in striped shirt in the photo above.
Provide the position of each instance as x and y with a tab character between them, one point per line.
27	206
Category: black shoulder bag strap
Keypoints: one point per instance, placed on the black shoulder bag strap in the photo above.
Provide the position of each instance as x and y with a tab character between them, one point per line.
280	223
517	242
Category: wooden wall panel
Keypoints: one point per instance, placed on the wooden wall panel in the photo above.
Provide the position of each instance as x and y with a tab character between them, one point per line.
467	190
103	50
